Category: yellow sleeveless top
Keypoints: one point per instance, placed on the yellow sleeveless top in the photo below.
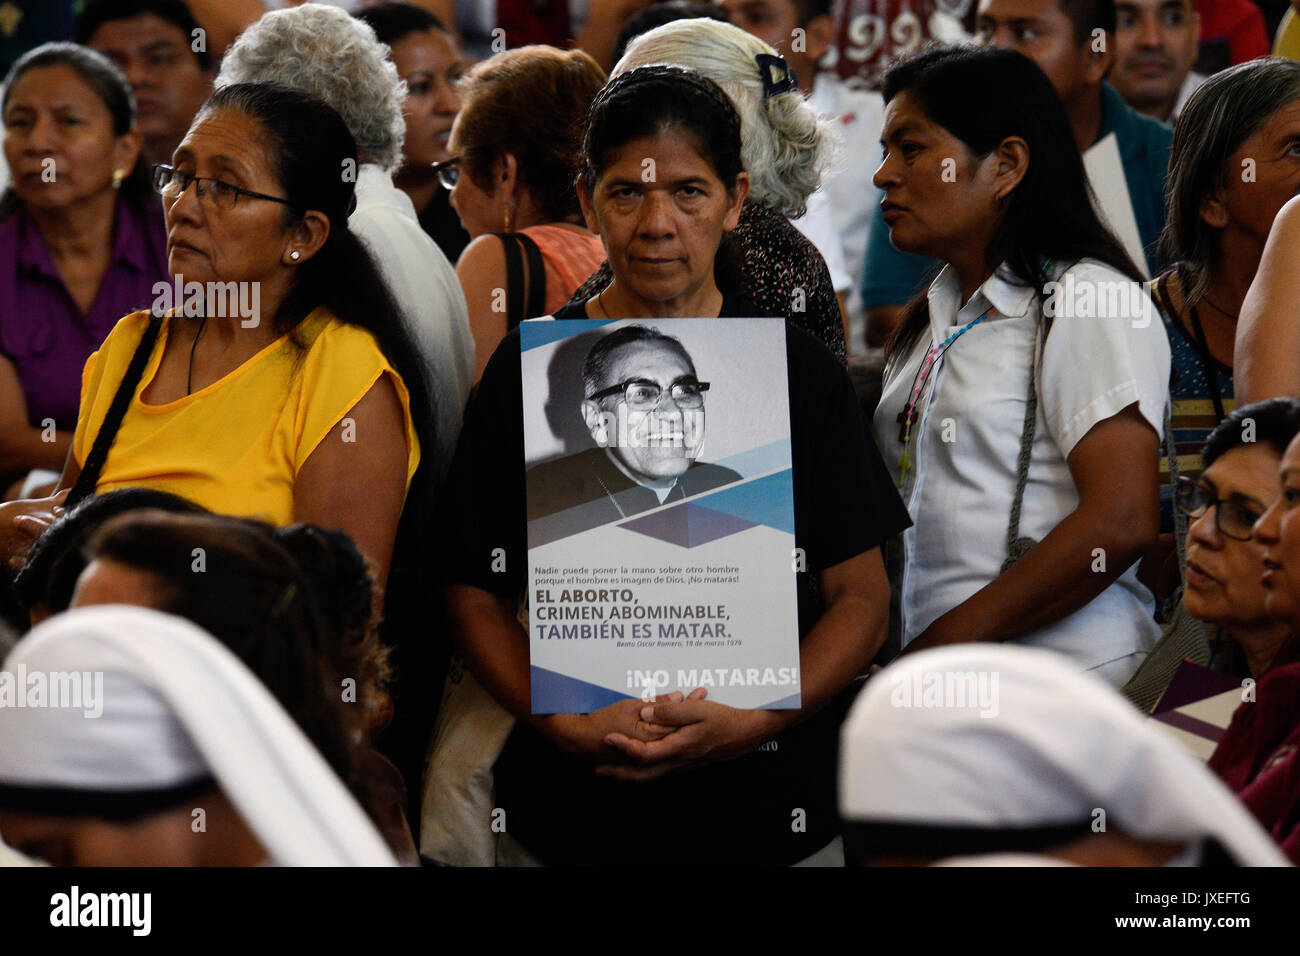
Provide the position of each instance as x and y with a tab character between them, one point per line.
236	446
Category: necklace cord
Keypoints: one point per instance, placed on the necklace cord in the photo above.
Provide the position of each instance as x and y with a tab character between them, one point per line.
189	375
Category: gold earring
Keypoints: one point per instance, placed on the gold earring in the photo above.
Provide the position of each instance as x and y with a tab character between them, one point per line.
118	176
507	219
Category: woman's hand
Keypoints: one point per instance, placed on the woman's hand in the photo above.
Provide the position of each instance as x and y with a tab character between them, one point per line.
704	733
22	522
587	734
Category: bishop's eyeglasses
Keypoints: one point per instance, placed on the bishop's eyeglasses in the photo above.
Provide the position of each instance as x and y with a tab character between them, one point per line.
642	395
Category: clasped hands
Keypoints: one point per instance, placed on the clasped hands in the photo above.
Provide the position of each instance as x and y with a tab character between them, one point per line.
22	522
643	740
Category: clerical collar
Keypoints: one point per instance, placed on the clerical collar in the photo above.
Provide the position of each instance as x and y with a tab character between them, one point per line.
661	488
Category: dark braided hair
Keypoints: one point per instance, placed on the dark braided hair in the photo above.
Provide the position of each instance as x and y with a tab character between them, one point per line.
234	579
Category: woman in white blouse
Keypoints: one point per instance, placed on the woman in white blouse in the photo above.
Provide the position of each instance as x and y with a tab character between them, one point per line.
1031	363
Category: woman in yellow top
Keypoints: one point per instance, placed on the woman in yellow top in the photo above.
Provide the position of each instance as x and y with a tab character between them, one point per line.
291	392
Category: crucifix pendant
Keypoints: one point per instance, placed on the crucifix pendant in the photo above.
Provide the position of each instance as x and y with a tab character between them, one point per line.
904	461
905	419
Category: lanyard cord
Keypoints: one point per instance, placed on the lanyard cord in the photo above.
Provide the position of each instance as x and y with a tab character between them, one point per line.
909	415
1208	361
935	353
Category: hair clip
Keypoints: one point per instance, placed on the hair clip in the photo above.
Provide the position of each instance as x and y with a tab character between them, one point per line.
776	75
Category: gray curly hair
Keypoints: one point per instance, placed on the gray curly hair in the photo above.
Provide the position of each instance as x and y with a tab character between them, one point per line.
325	52
784	146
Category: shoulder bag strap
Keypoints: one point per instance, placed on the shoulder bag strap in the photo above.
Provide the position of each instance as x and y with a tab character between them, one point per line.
536	277
514	278
1017	546
94	466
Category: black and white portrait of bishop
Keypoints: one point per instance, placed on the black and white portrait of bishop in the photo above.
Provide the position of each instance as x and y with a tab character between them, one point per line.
645	410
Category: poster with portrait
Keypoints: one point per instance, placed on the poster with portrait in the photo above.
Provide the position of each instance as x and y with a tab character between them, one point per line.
661	552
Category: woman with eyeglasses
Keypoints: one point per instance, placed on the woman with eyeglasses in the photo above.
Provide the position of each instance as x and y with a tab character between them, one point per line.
1225	562
514	158
81	243
284	386
685	780
1252	589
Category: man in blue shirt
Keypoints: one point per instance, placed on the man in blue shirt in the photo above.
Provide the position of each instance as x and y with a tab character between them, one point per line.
1072	41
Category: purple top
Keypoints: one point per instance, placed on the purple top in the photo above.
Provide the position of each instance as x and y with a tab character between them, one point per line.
43	332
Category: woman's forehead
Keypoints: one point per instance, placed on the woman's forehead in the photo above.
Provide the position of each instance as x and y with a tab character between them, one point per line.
230	135
54	84
1282	121
1249	469
425	49
903	112
671	150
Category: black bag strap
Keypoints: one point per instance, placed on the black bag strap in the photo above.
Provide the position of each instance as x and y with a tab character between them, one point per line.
537	277
94	466
518	305
514	279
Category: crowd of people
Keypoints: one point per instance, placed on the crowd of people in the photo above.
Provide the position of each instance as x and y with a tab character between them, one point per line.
264	278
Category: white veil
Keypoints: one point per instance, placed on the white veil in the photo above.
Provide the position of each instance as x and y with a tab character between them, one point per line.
177	706
989	736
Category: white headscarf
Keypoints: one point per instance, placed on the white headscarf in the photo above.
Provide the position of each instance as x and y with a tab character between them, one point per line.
1041	744
178	706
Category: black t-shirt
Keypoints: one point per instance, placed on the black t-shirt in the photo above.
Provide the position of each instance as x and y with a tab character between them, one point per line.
773	806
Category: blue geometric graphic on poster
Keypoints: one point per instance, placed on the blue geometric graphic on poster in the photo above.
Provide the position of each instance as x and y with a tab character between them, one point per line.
557	694
687	525
767	501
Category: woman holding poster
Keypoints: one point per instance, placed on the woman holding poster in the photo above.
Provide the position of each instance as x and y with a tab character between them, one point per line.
681	779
